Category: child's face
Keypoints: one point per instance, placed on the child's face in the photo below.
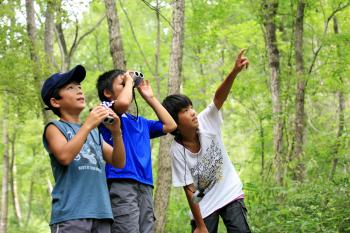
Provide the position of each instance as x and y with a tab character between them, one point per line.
187	118
72	97
117	86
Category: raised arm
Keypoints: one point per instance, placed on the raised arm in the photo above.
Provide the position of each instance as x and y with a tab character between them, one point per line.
146	92
225	87
114	155
121	104
65	151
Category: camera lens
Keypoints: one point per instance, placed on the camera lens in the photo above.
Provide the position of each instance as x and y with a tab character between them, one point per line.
109	120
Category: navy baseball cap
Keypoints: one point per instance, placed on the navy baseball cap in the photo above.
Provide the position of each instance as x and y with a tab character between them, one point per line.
58	80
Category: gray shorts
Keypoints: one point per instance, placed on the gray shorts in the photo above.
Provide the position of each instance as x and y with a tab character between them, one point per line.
82	226
234	216
132	206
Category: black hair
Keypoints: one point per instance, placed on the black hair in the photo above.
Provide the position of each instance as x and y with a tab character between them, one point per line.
105	82
55	95
174	104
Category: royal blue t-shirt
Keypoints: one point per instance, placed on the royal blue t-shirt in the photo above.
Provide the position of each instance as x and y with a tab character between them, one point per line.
137	133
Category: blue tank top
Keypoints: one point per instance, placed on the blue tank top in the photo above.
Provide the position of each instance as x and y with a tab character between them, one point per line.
80	189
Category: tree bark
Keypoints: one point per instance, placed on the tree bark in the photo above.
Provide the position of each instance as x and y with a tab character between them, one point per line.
270	11
163	185
262	145
157	54
299	121
5	171
341	120
30	199
115	38
13	168
49	37
32	34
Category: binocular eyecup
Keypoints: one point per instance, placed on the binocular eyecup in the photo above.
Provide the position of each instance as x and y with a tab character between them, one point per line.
137	77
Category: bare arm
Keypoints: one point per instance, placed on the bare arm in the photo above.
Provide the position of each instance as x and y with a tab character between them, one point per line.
146	92
225	87
65	151
115	155
195	209
124	99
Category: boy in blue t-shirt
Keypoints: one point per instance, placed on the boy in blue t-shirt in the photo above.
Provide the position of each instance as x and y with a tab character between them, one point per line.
131	188
80	201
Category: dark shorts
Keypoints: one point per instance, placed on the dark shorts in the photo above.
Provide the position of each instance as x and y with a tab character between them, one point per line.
132	206
234	216
82	226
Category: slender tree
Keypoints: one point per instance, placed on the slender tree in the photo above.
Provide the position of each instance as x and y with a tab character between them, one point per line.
269	14
67	53
115	38
162	193
5	170
341	109
300	90
13	178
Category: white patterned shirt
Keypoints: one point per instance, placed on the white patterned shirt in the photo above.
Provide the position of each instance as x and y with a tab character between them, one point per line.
217	176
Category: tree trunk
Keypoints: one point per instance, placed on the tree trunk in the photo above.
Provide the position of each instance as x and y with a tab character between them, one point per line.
5	171
29	202
31	31
115	38
163	185
300	92
341	121
270	11
13	168
262	145
157	55
49	37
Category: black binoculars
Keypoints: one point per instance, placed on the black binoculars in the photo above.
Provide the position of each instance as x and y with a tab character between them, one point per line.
137	77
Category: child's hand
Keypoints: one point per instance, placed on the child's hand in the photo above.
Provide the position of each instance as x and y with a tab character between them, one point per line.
96	116
201	230
128	78
241	62
115	126
145	90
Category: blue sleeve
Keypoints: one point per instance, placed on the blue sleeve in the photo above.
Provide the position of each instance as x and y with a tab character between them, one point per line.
155	128
106	135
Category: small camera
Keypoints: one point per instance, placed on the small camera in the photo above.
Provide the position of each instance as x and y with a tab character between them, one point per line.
137	77
198	196
108	119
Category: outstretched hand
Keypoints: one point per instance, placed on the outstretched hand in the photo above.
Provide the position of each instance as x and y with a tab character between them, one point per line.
241	62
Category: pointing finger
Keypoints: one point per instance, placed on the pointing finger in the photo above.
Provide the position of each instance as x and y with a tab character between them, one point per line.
241	53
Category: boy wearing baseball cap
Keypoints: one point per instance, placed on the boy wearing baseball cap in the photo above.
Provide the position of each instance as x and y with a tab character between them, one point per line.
80	200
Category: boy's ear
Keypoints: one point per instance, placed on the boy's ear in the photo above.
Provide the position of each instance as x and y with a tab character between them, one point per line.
107	93
54	103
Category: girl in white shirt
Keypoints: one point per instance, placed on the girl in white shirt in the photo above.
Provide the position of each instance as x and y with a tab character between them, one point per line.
201	165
